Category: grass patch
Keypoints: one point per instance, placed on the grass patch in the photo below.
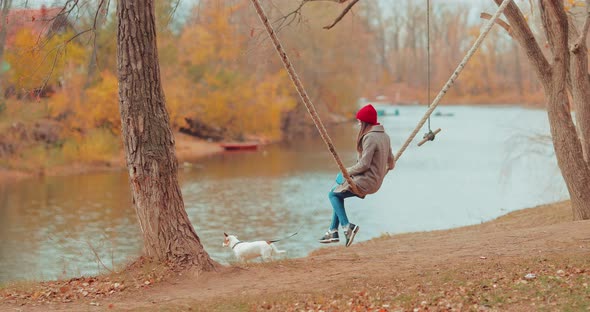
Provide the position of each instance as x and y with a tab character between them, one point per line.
138	275
99	145
22	111
34	159
36	143
233	305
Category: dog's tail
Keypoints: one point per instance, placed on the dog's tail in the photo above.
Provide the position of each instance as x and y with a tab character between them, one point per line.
275	249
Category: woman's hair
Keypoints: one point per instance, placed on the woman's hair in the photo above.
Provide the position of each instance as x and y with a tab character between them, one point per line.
365	127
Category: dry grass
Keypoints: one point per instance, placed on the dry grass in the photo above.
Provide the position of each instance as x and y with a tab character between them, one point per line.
98	145
139	275
22	111
560	283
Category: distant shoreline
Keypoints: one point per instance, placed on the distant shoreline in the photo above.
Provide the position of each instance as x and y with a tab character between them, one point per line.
187	148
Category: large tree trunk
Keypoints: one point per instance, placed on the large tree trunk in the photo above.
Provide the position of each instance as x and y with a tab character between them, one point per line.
553	76
580	81
149	143
568	149
567	144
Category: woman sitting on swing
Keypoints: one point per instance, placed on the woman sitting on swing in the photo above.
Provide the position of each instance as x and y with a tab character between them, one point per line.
375	159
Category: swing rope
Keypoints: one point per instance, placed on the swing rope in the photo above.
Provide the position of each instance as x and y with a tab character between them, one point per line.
428	136
454	76
313	113
428	69
299	86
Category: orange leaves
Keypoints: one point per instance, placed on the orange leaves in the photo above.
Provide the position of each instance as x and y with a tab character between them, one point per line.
275	91
216	86
102	103
569	4
35	61
83	109
213	41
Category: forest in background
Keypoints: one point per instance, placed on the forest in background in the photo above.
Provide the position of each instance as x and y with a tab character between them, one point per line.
224	81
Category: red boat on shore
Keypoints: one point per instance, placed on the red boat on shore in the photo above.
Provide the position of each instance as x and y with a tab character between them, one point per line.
239	146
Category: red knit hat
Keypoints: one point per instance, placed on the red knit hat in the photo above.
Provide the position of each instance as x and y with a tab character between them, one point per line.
367	114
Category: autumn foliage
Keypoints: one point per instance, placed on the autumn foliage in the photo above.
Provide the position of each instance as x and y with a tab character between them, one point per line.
36	63
219	68
210	83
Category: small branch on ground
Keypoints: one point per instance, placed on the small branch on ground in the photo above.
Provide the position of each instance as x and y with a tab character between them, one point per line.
98	257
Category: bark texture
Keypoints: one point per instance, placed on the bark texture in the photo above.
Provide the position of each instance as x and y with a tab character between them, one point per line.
554	76
149	143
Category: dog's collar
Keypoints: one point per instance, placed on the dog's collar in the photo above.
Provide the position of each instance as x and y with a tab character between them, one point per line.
236	244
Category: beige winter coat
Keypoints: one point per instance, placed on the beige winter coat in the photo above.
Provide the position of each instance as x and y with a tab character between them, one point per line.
375	161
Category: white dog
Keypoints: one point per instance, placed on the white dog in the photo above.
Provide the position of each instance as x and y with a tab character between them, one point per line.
250	250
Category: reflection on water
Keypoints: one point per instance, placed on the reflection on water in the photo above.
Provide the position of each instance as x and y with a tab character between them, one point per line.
52	227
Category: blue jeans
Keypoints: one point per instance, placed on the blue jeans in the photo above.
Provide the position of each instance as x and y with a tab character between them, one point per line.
339	214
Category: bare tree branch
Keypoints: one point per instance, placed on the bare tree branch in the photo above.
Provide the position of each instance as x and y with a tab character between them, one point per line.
344	12
58	52
98	257
96	15
65	11
523	34
296	14
93	64
555	23
499	22
581	41
172	12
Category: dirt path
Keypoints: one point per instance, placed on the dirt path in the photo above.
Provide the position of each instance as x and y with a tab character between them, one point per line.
402	259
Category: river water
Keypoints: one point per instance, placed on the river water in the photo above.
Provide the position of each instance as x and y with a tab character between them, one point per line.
484	164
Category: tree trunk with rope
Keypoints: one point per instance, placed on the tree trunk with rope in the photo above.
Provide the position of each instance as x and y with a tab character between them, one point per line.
565	66
302	93
149	143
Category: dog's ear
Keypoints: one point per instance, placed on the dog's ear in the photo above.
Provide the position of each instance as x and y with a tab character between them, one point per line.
224	234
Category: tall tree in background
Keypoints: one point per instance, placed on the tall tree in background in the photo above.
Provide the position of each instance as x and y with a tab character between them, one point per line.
4	8
149	143
376	23
563	75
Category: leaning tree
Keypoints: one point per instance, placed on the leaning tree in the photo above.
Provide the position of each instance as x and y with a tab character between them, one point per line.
565	80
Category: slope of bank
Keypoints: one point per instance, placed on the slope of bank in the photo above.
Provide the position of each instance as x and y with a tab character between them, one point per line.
534	259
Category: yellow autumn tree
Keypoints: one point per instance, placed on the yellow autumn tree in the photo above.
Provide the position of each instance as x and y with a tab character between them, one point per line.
82	109
217	90
35	63
476	78
90	117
